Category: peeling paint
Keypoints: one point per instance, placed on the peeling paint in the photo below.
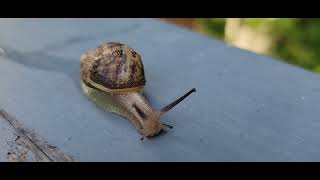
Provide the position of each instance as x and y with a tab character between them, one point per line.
28	146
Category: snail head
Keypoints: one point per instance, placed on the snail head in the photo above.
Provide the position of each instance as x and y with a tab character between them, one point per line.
152	123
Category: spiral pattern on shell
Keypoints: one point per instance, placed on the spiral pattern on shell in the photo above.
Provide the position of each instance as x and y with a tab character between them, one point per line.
113	67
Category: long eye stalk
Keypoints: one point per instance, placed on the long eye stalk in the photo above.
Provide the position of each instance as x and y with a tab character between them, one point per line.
177	101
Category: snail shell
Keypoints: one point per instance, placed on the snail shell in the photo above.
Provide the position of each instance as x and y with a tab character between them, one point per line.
113	67
112	76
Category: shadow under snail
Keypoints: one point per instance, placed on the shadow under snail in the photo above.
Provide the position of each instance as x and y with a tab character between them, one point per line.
112	76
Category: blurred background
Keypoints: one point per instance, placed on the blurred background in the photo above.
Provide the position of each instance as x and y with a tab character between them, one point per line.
292	40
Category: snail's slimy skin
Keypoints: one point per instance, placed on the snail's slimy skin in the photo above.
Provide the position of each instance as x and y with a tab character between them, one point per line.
126	105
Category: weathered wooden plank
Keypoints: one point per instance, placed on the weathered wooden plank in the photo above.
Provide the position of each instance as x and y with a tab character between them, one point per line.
247	107
7	136
26	144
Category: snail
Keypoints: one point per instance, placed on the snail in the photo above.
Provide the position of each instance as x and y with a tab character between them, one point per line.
112	76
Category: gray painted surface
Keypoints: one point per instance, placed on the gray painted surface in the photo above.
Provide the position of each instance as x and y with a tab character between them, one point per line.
247	107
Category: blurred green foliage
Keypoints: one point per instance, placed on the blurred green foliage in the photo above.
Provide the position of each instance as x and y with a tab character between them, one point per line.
213	26
294	40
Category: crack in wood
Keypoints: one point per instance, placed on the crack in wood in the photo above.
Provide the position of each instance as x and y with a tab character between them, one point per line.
29	141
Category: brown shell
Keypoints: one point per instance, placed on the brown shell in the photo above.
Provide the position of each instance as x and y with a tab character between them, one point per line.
113	67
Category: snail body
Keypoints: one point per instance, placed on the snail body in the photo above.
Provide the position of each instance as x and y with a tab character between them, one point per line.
112	76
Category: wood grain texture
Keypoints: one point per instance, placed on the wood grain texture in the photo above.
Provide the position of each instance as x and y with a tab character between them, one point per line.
27	145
